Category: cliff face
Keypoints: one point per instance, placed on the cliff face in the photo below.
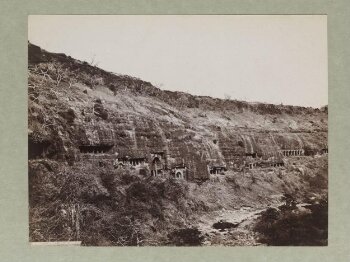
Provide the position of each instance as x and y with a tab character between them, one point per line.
78	112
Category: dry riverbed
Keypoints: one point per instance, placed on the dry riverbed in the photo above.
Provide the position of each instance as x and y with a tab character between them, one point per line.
230	227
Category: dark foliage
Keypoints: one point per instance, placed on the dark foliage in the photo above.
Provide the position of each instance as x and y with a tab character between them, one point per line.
114	207
291	227
69	115
100	111
222	225
240	143
186	237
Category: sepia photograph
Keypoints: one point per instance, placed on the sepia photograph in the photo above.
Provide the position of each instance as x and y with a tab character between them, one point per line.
178	130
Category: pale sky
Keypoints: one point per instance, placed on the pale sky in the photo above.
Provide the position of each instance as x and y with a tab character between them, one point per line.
273	59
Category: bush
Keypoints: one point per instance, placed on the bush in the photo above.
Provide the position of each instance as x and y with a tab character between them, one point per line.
222	225
186	237
290	227
110	207
99	110
69	115
232	180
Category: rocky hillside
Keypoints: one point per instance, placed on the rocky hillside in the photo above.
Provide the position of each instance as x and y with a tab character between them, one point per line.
97	138
73	105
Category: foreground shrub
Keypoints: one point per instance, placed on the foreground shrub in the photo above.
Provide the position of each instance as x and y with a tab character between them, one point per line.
103	206
186	237
292	227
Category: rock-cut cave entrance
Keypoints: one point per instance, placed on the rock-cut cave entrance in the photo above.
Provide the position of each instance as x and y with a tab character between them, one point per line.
95	149
157	166
179	175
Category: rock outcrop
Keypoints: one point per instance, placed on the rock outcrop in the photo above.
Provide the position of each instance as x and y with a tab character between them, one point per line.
78	110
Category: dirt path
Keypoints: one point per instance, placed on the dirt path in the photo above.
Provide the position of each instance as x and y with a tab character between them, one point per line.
240	235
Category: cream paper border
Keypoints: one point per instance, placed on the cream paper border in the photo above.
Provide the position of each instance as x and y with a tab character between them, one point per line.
13	131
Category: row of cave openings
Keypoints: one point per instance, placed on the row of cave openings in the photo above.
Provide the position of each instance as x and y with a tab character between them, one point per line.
41	150
124	161
95	149
100	149
298	152
177	173
264	165
157	165
215	170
